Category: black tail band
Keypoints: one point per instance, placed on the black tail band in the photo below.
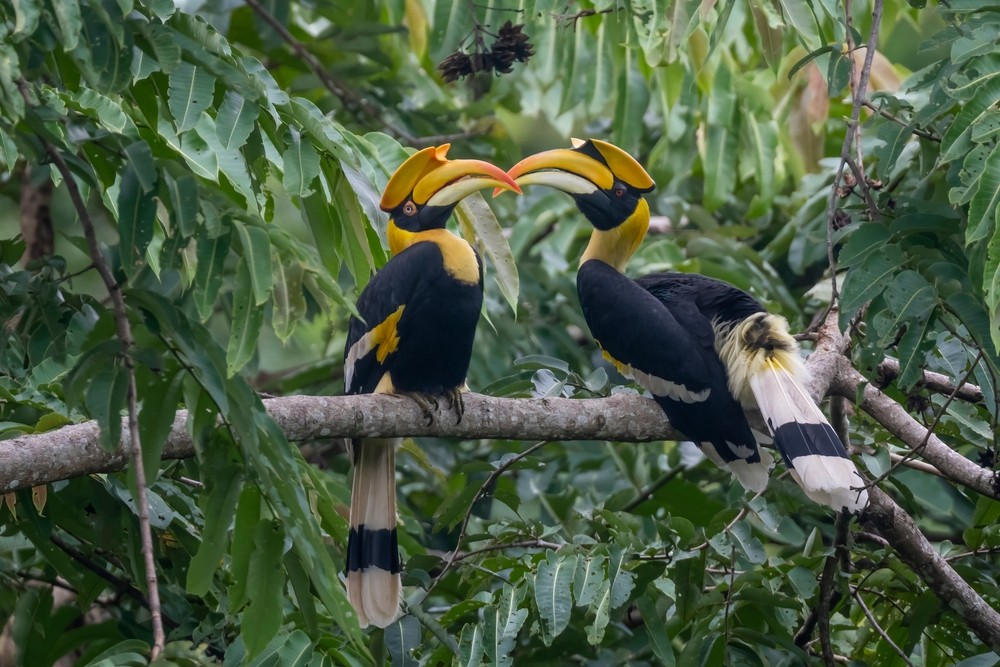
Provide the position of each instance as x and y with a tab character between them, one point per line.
372	548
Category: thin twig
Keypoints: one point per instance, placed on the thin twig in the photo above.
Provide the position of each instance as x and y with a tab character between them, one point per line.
913	451
124	330
119	584
652	488
982	551
353	102
525	544
729	593
500	469
878	628
923	134
845	152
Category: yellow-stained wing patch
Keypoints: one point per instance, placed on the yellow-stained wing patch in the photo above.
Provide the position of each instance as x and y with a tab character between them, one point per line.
383	338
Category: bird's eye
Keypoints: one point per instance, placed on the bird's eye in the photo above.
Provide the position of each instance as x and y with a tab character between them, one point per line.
619	191
409	208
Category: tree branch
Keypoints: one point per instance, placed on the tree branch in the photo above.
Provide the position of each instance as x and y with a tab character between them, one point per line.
351	100
894	418
939	383
75	450
131	425
830	369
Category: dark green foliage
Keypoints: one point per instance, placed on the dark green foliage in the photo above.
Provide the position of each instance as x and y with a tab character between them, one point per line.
235	194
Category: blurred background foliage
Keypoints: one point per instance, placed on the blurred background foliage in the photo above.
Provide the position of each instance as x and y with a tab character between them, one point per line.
232	154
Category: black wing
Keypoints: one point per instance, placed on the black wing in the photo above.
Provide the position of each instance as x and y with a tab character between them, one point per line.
392	287
667	337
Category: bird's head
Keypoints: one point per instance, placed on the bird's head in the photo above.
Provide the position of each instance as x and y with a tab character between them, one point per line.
424	190
607	185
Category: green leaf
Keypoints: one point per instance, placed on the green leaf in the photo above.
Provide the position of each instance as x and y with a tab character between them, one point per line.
244	526
104	53
165	48
769	30
910	299
68	23
803	580
156	418
26	16
220	503
553	593
265	583
105	400
470	646
108	112
235	121
983	207
289	303
957	140
763	137
502	624
137	211
656	630
401	638
590	575
867	280
304	598
211	253
912	350
478	223
721	142
800	16
189	94
183	192
256	245
748	543
8	149
246	322
301	165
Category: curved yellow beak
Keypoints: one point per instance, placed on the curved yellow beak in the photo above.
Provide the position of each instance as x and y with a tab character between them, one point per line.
588	166
429	178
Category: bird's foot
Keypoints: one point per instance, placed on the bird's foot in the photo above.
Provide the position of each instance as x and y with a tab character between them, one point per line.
457	402
427	403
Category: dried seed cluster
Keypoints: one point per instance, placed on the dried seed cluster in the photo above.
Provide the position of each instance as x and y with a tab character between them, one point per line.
511	45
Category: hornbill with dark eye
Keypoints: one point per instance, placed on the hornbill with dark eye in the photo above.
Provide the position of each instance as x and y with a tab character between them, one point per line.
414	337
704	349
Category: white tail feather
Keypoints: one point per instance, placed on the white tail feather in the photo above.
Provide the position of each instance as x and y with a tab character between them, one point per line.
751	476
825	475
374	592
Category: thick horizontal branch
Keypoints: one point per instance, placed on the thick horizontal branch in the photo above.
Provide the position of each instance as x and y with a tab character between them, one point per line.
73	451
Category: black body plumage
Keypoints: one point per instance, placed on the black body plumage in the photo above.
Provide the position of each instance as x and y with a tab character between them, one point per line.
436	328
656	325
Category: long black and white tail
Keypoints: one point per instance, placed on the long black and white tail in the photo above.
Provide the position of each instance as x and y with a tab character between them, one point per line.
373	581
765	369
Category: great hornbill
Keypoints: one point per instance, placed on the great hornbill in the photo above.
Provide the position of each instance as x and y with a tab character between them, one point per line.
414	338
704	349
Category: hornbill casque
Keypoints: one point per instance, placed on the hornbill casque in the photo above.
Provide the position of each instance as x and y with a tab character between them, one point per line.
703	348
414	338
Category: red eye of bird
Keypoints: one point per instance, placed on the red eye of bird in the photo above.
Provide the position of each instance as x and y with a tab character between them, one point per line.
410	208
619	191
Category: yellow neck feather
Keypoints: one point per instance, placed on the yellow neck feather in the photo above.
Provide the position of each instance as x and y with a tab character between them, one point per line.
459	259
617	245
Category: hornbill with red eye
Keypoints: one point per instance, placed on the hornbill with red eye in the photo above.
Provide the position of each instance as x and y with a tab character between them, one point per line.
414	338
704	349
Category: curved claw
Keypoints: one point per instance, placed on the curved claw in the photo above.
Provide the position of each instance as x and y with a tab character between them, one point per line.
425	402
457	402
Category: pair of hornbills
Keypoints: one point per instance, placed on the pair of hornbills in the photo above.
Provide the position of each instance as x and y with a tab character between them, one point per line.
705	350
